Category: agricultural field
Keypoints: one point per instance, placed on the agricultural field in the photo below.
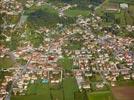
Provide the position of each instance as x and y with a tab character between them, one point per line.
105	95
123	92
29	97
80	96
50	91
125	83
70	87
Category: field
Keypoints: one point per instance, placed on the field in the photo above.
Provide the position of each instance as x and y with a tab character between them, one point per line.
123	1
80	96
70	87
123	17
66	63
123	93
105	95
6	62
125	83
76	12
29	97
35	91
40	91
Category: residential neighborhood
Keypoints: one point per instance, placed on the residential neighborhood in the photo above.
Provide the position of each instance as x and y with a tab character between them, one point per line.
54	50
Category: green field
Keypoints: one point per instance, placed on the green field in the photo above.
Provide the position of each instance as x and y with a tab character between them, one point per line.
70	87
40	91
81	96
66	63
106	95
57	94
35	91
125	83
122	1
6	62
76	12
29	97
43	7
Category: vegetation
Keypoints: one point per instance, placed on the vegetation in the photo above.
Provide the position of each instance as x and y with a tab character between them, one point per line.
35	38
3	74
66	63
69	90
74	12
123	1
81	96
106	95
6	62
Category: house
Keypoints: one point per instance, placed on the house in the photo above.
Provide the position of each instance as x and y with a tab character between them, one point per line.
124	6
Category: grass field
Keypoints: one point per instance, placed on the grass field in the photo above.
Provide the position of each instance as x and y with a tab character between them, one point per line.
6	62
29	97
36	91
122	1
43	7
76	12
70	87
103	95
57	94
66	63
125	83
81	96
40	91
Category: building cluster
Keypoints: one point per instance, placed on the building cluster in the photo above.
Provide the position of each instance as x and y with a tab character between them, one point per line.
11	7
107	56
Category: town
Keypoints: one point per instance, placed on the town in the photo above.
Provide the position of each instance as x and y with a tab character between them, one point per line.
66	55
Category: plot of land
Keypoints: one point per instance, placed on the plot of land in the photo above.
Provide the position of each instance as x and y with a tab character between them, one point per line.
6	62
57	94
76	12
125	83
105	95
69	86
41	91
42	16
123	93
66	63
29	97
36	91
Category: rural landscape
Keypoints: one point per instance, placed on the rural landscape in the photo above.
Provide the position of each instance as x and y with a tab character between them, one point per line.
67	50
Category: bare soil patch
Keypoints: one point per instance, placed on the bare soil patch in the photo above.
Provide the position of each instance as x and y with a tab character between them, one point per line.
123	92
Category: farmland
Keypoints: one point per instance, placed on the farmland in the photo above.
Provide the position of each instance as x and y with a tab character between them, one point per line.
123	92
